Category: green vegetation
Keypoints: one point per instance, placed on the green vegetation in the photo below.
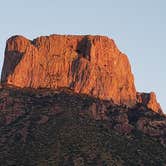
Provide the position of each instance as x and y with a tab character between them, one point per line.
67	139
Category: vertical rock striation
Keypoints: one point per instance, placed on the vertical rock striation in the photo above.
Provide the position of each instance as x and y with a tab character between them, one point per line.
91	65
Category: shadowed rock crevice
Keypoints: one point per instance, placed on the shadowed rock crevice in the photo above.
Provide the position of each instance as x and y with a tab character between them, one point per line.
12	58
84	48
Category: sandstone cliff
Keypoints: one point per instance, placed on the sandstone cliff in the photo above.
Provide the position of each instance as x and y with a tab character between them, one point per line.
53	124
87	64
149	100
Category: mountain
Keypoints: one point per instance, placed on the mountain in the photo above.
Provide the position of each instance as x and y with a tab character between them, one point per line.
87	64
71	100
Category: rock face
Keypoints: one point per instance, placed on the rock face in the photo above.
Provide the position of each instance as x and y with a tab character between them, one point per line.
149	100
87	64
153	128
122	123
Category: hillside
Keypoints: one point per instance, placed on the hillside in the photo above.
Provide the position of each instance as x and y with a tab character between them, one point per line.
58	127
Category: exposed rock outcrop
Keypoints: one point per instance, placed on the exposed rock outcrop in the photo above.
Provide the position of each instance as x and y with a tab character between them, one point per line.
87	64
98	111
149	100
155	128
122	123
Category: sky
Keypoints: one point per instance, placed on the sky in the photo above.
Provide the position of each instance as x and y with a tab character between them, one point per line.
137	27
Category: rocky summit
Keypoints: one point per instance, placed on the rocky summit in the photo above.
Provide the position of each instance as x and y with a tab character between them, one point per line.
91	65
70	100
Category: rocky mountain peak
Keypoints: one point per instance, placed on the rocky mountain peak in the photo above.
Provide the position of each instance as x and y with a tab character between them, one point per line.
71	100
91	65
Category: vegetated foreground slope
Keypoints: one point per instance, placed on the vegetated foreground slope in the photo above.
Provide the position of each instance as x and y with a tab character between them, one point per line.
58	127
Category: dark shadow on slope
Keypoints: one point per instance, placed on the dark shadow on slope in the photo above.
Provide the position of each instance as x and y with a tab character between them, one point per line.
12	58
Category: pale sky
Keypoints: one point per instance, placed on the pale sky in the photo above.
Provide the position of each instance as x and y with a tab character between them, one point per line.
138	28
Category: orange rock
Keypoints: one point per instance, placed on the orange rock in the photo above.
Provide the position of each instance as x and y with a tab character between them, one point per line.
153	104
87	64
149	100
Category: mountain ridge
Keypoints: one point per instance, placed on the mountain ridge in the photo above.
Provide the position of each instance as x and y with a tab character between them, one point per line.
59	127
84	63
72	101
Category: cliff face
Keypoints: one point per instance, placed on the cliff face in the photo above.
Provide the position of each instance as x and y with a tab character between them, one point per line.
87	64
